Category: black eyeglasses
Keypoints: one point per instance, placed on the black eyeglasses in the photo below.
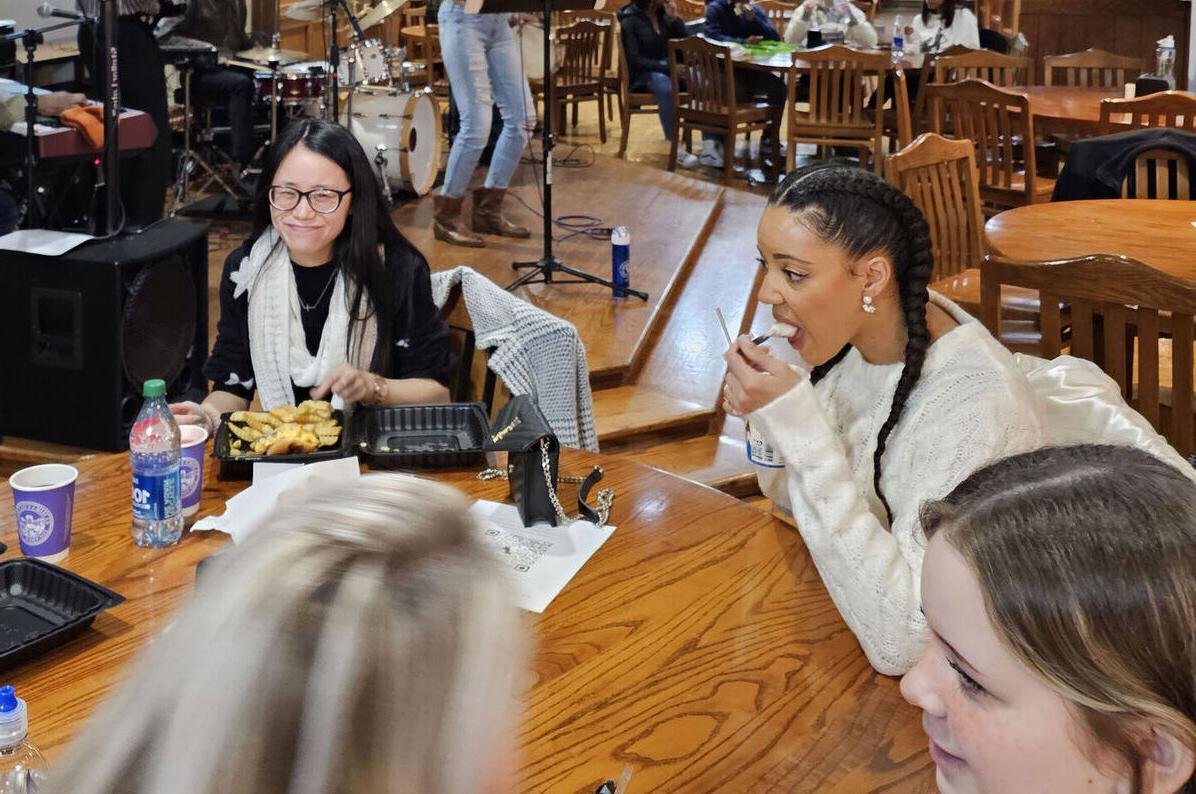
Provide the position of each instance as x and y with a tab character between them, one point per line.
323	200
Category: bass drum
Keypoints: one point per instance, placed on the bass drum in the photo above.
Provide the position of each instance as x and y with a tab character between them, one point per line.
400	132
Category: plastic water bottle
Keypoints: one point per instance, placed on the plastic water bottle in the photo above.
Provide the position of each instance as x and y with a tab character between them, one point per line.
620	259
898	40
154	455
22	767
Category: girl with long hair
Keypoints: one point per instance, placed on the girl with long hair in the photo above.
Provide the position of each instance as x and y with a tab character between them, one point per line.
326	298
908	394
942	25
1060	590
361	641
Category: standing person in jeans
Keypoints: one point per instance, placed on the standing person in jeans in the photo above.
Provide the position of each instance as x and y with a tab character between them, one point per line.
646	27
482	64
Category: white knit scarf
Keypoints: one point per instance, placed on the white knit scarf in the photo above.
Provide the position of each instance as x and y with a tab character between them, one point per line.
277	345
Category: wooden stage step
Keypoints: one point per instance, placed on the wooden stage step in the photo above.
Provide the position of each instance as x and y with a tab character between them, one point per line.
676	394
670	217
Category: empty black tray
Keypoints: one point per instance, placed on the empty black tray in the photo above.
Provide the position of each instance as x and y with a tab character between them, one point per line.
240	467
42	606
422	436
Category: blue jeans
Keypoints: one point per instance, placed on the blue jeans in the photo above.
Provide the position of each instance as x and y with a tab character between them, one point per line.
661	86
483	69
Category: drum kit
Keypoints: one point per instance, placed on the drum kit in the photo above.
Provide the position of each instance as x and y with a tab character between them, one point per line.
365	86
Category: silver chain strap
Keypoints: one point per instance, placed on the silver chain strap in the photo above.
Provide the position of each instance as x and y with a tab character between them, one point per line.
606	496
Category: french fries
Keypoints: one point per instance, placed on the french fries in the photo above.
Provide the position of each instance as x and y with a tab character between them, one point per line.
303	428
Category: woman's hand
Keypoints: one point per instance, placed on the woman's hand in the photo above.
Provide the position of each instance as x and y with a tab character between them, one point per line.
347	382
754	378
189	413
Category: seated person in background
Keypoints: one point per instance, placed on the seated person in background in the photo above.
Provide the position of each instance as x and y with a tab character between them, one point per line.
220	23
907	397
744	22
361	641
1059	588
941	25
646	27
309	306
857	31
12	111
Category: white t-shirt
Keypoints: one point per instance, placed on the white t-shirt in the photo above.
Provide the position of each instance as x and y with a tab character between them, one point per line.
933	36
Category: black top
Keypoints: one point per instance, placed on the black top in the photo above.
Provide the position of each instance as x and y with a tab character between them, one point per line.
420	343
725	24
647	50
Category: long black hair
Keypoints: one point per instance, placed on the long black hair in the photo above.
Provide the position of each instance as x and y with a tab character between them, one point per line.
356	250
948	12
862	213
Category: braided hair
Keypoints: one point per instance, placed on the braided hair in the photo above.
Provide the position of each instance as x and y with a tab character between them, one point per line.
862	213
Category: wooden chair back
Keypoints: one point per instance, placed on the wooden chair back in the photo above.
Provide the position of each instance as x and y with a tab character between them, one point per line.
705	71
473	380
1176	109
585	56
778	12
1159	174
563	18
993	67
939	174
1003	16
920	115
691	10
1113	301
1091	69
1001	128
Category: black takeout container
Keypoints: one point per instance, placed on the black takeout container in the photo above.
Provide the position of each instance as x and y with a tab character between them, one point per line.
240	467
421	436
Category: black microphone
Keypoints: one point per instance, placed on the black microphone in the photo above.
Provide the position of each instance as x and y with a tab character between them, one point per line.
47	10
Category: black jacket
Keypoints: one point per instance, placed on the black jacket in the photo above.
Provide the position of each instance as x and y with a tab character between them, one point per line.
647	50
1096	167
725	24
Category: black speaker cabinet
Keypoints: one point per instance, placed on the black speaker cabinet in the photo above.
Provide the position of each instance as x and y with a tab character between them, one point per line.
83	331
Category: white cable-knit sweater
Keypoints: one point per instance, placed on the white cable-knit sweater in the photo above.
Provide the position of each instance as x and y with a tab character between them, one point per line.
972	405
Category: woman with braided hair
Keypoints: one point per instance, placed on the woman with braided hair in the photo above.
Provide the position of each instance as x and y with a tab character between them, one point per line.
908	394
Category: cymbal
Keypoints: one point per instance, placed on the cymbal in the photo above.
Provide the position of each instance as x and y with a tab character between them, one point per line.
306	10
380	12
267	55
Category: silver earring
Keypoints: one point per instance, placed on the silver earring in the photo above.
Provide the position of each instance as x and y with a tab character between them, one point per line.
868	307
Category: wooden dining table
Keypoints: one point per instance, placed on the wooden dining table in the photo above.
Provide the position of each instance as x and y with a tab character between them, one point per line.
1067	110
1161	234
698	646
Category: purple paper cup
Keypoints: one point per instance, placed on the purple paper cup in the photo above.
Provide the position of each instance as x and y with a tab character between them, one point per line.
194	440
45	501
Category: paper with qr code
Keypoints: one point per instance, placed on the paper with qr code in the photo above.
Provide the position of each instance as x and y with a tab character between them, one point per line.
541	559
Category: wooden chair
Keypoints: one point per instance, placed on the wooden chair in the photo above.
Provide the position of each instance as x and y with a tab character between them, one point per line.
778	12
630	102
1114	301
705	71
1176	109
841	81
993	67
939	175
1091	69
581	74
1001	127
473	380
1159	174
920	114
611	78
1003	16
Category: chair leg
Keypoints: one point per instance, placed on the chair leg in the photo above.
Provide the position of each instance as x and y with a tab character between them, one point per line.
878	153
625	121
791	155
673	148
776	149
575	104
601	121
729	156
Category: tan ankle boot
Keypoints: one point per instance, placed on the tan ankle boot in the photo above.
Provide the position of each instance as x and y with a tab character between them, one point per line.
447	226
487	214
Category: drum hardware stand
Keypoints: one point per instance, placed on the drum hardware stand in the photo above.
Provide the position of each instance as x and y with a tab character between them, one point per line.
543	270
334	56
190	156
381	162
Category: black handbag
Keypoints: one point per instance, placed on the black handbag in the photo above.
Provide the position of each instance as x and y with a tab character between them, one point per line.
533	467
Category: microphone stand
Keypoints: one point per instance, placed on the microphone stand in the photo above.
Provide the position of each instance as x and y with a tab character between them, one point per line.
30	39
111	118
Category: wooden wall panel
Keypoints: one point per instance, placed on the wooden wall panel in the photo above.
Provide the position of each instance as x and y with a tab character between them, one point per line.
1059	26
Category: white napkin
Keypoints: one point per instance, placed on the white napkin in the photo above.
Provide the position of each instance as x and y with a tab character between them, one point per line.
249	509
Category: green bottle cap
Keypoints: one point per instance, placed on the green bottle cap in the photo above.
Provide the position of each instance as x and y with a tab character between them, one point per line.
154	388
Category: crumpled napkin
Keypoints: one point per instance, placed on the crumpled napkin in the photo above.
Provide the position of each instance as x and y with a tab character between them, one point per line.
249	509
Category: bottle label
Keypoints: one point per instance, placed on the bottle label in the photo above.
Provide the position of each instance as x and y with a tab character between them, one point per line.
156	496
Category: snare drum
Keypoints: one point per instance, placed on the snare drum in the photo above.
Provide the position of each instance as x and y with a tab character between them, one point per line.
363	62
298	84
400	133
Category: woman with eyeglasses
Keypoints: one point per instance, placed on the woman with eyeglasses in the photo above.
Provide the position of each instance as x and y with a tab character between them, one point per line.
326	299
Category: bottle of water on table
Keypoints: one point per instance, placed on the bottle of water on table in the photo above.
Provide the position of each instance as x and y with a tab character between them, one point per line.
155	453
898	48
22	767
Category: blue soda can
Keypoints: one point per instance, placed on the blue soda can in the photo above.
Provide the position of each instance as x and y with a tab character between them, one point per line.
620	256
